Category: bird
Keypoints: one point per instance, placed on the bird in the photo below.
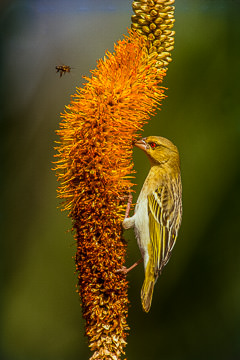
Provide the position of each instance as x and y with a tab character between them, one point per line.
158	211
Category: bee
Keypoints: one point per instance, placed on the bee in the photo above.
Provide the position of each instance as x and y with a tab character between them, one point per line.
62	69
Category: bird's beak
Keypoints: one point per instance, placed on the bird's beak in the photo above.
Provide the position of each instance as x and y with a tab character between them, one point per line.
141	144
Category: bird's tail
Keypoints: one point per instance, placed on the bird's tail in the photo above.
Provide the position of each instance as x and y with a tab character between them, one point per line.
147	291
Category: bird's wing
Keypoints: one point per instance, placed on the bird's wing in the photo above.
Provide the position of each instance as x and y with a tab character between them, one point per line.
163	224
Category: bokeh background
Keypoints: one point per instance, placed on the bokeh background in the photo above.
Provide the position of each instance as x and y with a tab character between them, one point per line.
196	306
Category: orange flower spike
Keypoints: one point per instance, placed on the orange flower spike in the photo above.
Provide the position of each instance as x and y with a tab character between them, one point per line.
95	169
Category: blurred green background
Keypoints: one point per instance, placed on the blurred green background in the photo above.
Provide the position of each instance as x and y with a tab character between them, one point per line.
196	306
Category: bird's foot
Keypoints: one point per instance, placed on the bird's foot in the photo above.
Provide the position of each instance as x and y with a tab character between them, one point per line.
124	270
129	203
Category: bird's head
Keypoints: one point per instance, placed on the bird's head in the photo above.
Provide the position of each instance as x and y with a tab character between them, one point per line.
159	150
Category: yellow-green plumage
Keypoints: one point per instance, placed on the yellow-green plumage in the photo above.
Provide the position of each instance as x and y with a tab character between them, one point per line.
158	211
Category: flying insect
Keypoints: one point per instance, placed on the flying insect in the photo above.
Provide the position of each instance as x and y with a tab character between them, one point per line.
62	69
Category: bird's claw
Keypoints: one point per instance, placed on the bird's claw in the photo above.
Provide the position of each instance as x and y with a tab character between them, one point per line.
124	270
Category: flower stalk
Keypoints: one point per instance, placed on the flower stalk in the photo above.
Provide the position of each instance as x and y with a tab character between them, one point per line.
95	172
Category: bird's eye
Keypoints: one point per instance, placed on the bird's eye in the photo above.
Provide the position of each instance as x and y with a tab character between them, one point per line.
153	145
